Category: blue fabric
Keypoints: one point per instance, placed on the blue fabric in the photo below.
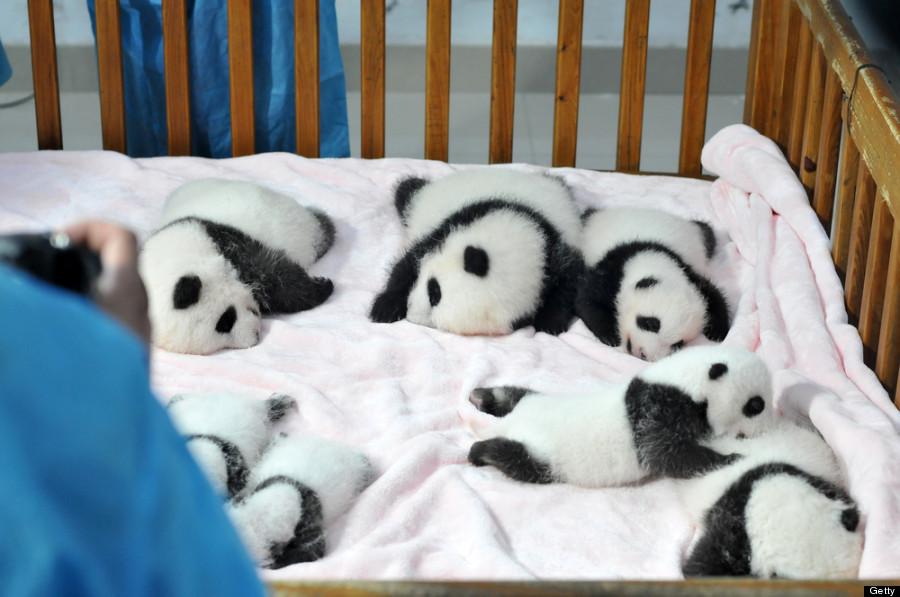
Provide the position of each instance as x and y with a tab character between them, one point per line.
273	67
98	493
5	68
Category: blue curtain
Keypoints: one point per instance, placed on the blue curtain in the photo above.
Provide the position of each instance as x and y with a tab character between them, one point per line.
5	68
273	67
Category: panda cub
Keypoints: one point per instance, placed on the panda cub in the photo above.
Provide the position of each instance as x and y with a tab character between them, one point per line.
228	252
226	433
659	423
299	488
646	287
778	511
491	250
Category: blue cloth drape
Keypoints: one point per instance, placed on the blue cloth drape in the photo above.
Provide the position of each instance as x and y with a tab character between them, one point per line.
273	66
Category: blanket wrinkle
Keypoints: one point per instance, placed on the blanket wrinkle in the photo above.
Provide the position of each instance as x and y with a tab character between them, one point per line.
399	392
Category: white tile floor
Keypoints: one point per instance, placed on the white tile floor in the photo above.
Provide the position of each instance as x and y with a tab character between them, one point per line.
469	121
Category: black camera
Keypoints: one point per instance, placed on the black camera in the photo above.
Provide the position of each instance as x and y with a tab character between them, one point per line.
53	258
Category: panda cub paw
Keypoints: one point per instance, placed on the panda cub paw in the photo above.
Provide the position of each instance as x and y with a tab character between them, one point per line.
498	401
298	488
511	458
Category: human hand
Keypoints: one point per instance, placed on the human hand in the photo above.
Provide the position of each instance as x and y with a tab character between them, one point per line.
120	290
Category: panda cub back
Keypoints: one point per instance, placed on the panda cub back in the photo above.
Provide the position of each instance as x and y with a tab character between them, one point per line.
491	250
304	233
647	288
426	204
778	510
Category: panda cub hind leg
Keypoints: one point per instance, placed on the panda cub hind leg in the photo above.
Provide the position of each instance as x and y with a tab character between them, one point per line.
498	401
512	459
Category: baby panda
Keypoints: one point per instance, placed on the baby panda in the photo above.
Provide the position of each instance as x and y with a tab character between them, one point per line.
299	487
658	423
226	433
778	511
228	252
646	287
491	250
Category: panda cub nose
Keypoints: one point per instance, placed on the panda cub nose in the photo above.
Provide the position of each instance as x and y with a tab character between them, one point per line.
754	406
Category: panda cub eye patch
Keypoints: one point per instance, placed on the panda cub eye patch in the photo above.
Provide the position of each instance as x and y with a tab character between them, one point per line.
227	320
475	261
754	406
718	370
434	292
187	292
648	324
647	282
677	346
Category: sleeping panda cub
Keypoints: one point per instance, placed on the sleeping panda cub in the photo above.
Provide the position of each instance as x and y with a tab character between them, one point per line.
226	433
491	250
301	485
646	288
659	423
778	511
228	252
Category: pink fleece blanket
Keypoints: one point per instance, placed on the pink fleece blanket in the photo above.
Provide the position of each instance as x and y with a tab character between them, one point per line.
399	391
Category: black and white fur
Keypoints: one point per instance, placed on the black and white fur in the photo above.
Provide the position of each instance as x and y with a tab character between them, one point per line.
658	423
227	433
491	250
778	511
646	288
228	252
295	492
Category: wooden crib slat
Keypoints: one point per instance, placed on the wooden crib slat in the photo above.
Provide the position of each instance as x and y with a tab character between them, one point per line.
813	123
631	91
240	69
860	230
797	118
696	86
45	74
306	76
791	20
109	66
437	81
763	45
829	147
886	362
846	193
372	89
568	82
875	281
503	81
175	55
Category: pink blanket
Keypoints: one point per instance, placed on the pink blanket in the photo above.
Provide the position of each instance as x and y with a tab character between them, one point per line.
399	391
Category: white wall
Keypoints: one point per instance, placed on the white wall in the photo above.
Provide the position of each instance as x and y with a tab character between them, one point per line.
73	24
471	22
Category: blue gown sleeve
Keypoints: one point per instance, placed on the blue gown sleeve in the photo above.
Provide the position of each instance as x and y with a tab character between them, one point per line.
98	493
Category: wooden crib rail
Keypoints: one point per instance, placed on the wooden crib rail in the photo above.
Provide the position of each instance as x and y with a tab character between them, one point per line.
437	86
835	115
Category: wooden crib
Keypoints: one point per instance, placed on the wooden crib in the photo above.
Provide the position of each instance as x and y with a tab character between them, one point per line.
811	86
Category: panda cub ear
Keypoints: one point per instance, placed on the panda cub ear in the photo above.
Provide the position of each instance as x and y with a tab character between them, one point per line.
187	292
476	261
